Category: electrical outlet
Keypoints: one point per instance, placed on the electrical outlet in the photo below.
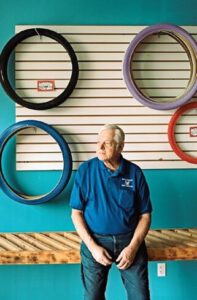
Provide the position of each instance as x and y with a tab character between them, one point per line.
161	269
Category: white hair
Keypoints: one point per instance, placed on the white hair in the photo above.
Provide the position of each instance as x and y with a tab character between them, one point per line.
119	133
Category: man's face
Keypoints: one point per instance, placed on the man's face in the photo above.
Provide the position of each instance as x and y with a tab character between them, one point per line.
107	148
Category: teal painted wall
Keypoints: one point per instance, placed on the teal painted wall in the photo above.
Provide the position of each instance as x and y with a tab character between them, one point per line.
174	193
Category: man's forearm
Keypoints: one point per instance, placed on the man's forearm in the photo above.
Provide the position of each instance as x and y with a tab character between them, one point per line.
141	231
82	229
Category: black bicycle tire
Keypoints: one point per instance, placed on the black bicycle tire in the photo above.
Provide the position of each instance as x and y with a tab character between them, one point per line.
4	59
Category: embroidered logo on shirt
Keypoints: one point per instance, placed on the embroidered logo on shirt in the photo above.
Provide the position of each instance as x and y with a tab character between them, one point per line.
128	183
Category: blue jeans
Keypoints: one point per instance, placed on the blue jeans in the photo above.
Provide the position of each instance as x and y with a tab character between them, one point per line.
94	275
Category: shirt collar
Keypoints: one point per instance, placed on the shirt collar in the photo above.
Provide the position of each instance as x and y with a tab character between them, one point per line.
120	169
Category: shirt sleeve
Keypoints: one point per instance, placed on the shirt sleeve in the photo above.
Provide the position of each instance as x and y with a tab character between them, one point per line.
77	199
144	201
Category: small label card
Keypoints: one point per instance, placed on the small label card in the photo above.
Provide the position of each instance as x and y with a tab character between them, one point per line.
193	131
45	85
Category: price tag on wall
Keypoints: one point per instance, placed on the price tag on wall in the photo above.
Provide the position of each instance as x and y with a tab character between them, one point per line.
193	131
45	85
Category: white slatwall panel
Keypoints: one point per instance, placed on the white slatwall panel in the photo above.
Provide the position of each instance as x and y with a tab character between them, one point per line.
161	69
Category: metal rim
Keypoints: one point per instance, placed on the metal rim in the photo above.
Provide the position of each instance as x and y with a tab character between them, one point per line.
190	46
67	162
171	133
9	47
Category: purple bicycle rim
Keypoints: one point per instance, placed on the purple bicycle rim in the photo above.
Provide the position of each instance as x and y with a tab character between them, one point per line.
127	73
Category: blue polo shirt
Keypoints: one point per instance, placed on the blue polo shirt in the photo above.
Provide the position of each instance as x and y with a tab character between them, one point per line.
111	201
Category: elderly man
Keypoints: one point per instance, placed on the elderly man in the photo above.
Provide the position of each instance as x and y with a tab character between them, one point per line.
111	211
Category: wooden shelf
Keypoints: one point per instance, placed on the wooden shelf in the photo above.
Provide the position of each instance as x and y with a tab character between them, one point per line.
63	247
